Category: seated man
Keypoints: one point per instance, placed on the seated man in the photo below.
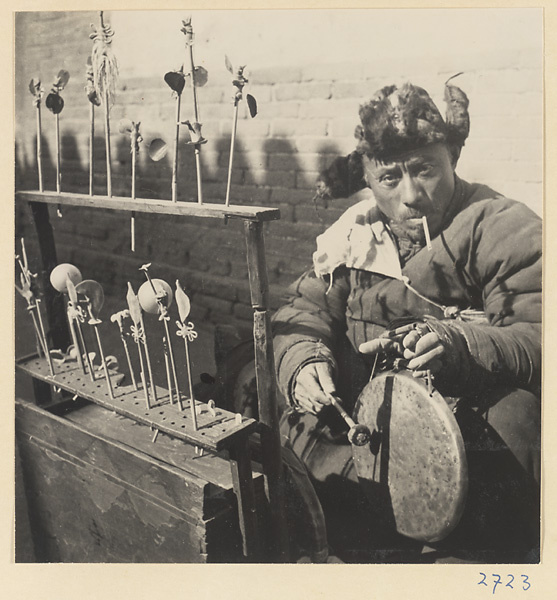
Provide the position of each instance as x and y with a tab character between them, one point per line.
421	245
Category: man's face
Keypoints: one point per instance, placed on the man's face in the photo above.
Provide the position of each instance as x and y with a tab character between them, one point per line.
415	184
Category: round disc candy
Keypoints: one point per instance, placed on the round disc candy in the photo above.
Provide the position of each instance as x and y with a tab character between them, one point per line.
147	297
61	272
93	291
157	149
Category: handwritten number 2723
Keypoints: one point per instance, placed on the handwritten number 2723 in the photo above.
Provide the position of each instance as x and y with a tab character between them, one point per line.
497	581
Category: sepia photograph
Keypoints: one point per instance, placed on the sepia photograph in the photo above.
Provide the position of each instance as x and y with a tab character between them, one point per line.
278	287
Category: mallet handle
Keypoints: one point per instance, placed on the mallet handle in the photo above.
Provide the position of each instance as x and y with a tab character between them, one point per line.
349	421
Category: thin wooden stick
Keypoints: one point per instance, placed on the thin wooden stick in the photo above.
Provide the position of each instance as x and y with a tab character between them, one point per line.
39	147
232	141
172	362
190	386
176	141
128	358
142	374
103	361
167	367
58	176
148	359
41	350
43	337
132	221
196	114
133	170
132	231
238	82
198	170
107	144
91	147
85	350
107	129
192	76
95	323
31	308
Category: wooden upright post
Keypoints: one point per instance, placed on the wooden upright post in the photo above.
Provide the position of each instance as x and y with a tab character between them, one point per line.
266	386
54	302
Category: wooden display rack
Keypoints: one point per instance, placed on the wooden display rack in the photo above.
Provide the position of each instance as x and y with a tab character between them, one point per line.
216	431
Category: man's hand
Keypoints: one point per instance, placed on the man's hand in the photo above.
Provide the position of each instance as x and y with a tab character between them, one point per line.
422	348
313	383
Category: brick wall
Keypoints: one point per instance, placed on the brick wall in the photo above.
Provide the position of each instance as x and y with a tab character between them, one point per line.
307	114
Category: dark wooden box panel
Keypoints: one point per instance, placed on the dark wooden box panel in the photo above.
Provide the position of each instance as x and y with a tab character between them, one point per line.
94	498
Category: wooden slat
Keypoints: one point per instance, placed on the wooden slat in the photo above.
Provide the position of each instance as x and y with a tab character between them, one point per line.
147	205
240	466
266	386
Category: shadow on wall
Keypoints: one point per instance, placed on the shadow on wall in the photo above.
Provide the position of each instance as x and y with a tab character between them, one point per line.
206	255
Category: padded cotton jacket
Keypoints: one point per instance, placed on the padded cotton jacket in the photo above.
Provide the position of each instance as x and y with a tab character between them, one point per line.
487	258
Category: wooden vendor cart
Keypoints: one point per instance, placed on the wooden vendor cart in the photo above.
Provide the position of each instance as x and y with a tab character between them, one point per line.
97	487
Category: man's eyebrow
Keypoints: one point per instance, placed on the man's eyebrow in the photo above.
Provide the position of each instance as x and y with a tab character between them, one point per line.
385	167
419	160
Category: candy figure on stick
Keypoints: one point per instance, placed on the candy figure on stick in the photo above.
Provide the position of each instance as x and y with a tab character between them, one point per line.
238	82
55	103
118	318
176	81
138	335
155	297
76	317
105	76
94	100
198	77
26	290
187	332
63	279
37	91
94	299
131	128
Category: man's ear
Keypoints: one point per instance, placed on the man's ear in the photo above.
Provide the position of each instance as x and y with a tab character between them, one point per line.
454	154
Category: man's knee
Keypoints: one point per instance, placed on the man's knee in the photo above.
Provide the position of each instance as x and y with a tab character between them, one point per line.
505	418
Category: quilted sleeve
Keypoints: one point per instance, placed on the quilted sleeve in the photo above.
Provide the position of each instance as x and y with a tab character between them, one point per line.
505	262
307	327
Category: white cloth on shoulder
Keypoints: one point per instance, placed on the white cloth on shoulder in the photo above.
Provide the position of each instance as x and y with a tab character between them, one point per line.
359	240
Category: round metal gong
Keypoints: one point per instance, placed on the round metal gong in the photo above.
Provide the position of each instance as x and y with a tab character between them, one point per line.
415	457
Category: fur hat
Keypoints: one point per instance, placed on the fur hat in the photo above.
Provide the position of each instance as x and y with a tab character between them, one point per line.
398	120
394	121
